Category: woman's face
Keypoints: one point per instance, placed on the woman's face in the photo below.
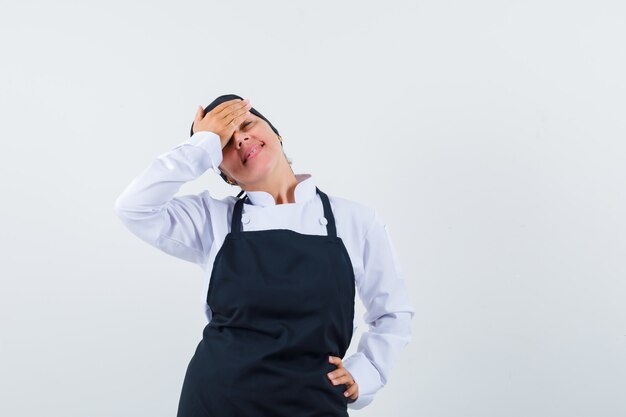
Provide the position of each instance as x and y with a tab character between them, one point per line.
239	164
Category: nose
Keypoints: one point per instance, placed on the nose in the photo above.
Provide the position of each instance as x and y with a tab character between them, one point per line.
239	138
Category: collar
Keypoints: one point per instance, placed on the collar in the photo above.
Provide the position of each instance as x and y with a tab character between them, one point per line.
304	191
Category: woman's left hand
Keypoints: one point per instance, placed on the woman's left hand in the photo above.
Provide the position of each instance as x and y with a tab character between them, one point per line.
342	376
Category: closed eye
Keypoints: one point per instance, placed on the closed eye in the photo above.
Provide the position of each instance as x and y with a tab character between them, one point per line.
241	127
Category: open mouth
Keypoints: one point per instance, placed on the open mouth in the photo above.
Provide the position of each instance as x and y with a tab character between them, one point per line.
253	152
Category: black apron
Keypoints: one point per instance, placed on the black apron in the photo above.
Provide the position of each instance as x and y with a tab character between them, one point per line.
282	302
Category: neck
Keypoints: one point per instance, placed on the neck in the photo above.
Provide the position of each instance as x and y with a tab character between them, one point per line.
280	183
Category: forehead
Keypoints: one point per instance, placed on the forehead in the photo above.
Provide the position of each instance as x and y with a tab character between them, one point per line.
249	117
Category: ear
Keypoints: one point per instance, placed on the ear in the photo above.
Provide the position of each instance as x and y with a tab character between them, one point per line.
231	181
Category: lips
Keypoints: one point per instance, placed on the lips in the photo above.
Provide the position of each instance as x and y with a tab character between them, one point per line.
246	155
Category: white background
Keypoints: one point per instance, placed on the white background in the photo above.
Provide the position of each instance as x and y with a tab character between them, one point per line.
489	135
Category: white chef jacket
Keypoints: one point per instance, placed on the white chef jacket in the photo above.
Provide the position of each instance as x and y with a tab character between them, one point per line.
193	228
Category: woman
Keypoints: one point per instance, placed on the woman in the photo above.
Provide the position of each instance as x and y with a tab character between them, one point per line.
282	266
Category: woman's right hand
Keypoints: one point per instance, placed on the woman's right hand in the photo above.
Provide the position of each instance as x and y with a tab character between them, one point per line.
223	119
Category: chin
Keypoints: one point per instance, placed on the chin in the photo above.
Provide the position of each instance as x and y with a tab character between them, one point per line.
258	171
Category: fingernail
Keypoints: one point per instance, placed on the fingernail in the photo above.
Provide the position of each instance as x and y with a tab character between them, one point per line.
330	358
345	394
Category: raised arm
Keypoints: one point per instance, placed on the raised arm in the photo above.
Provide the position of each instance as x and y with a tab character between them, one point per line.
181	226
383	291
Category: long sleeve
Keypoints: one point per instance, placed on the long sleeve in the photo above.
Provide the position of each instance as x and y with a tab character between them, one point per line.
179	226
389	312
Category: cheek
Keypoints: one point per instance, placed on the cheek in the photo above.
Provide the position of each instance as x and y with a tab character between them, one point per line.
230	161
230	155
272	146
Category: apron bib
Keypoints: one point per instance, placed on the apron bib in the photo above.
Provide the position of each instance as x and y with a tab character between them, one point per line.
282	302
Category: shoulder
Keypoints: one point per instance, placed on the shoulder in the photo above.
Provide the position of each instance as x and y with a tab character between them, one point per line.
213	201
219	208
352	215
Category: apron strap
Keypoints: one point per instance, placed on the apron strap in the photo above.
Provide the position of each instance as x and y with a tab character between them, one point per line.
331	230
235	224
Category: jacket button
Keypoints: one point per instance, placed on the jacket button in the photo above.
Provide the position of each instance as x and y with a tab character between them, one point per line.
323	220
245	219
